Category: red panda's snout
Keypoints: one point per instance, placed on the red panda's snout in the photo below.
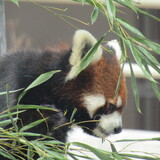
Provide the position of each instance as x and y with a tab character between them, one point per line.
96	85
107	115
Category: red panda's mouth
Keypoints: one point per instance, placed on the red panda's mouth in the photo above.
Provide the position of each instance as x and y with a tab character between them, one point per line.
108	124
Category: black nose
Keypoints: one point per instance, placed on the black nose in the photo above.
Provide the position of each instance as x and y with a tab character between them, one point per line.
118	130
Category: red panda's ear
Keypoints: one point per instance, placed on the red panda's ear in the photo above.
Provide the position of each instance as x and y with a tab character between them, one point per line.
115	46
83	41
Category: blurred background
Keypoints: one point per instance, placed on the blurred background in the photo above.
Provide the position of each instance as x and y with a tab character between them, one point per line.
31	26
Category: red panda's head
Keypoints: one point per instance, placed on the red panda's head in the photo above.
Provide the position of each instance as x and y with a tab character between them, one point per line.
92	91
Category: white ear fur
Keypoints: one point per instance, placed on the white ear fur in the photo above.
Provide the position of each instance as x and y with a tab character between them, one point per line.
113	44
81	40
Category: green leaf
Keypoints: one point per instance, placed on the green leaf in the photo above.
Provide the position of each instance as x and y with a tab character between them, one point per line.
86	60
137	56
101	154
94	15
32	107
135	88
113	148
139	156
31	125
41	79
7	122
142	139
128	26
154	85
14	113
148	55
128	4
148	14
16	2
14	91
119	81
152	46
7	155
111	10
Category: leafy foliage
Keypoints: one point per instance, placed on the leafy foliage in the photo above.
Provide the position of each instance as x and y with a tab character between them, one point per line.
131	38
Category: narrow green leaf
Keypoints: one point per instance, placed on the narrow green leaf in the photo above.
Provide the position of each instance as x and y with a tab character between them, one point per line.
156	90
101	154
31	125
152	46
94	15
41	79
143	139
7	155
148	55
73	114
14	113
8	109
117	157
128	26
13	91
16	2
111	10
86	60
148	14
137	56
135	88
32	107
154	85
139	156
128	4
6	122
113	148
119	81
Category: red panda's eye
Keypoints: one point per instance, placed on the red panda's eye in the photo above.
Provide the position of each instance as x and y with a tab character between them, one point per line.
97	116
111	108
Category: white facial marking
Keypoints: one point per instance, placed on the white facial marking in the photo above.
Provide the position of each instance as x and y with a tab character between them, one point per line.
107	124
93	102
119	101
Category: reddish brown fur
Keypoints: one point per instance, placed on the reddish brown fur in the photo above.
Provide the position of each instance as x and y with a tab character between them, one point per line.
98	78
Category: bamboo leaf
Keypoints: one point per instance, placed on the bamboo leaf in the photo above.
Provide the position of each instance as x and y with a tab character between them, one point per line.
154	85
143	139
7	122
117	157
128	4
14	113
31	125
148	55
13	91
16	2
148	14
137	56
7	155
128	26
33	107
113	148
101	154
156	90
135	88
119	81
111	10
41	79
94	15
86	60
139	156
152	46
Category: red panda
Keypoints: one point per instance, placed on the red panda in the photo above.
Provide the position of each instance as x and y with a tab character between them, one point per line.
91	92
